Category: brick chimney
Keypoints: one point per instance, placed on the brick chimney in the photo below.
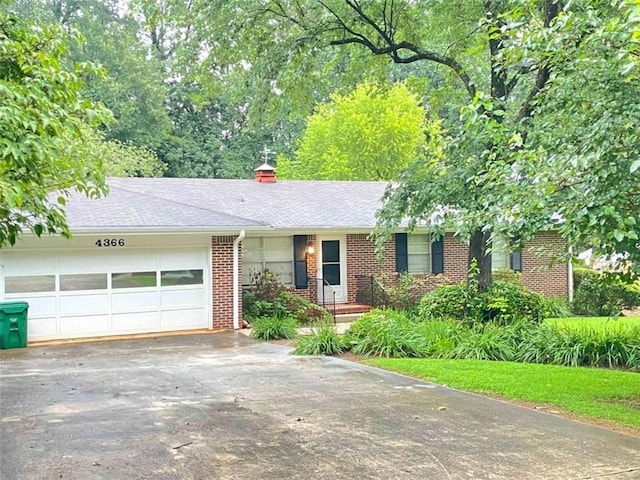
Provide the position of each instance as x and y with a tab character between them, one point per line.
265	173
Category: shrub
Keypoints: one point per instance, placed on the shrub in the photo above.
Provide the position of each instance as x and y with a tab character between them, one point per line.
557	307
275	327
386	333
446	302
324	340
507	275
505	303
268	298
582	273
600	295
303	310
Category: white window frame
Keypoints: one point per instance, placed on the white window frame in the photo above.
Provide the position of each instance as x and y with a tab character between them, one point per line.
266	256
419	250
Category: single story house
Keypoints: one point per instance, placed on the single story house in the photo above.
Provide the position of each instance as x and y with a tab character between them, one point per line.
169	254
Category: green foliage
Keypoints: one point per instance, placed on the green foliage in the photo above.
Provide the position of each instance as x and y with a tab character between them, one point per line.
604	295
507	275
505	303
44	125
581	273
583	344
372	133
385	333
268	297
323	340
275	327
485	342
446	302
556	308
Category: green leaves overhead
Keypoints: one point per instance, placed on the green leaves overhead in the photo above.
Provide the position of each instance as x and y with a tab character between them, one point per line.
372	133
43	124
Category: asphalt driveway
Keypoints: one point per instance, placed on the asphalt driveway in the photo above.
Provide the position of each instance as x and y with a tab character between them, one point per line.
222	406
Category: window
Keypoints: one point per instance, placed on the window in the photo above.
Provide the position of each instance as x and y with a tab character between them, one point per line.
267	253
180	277
83	281
133	279
419	253
503	258
30	284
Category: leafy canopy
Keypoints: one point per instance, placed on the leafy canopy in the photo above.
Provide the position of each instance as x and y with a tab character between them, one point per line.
44	121
372	133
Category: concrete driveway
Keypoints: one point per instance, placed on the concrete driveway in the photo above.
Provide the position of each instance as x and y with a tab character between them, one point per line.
222	406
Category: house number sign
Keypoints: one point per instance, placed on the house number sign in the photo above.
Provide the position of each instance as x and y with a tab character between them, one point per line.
110	242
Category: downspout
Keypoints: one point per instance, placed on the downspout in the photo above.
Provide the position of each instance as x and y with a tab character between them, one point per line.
570	275
236	279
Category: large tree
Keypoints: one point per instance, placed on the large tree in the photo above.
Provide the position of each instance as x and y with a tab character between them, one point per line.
44	121
523	145
372	133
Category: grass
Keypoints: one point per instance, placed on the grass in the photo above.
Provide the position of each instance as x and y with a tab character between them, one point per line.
591	393
599	323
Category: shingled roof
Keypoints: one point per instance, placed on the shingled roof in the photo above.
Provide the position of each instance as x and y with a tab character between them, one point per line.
220	204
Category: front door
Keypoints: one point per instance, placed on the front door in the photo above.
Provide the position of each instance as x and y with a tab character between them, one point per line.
332	270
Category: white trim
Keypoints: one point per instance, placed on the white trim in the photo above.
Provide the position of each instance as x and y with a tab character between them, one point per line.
570	275
236	279
343	266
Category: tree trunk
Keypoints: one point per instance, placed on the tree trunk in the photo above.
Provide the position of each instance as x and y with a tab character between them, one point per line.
479	250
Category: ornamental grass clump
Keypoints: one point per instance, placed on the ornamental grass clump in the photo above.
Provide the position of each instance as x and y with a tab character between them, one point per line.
486	342
323	340
386	333
275	327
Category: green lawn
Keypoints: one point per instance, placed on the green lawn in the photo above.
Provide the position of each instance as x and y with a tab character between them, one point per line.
592	393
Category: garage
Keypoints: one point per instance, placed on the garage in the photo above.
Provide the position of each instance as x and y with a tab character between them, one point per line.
89	289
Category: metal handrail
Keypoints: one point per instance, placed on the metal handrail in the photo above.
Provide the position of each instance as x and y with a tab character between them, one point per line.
324	302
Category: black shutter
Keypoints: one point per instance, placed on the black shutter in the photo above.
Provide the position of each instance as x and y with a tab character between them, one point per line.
516	261
300	261
437	256
402	258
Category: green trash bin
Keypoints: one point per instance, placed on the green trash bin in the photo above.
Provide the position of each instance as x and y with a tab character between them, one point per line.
13	324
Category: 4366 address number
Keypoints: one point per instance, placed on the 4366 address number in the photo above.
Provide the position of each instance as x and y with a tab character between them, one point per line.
110	242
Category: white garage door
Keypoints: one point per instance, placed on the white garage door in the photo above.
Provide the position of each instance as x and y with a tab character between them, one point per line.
85	293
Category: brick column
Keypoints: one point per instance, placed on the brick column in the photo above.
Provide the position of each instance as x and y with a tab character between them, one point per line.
222	282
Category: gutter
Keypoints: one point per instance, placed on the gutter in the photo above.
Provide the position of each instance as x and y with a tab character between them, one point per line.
236	279
570	275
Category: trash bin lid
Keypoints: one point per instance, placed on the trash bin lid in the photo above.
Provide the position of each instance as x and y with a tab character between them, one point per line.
17	306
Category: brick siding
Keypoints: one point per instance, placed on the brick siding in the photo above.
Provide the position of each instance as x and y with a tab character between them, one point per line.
362	261
222	281
543	269
544	265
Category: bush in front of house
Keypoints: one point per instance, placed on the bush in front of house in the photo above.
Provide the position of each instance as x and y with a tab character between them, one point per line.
323	340
268	297
504	302
274	327
604	295
446	302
